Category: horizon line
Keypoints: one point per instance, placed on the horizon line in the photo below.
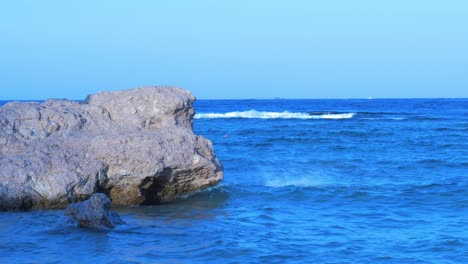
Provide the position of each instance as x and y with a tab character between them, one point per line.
274	98
337	98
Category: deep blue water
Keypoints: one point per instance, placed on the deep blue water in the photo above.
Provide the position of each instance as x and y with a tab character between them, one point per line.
306	181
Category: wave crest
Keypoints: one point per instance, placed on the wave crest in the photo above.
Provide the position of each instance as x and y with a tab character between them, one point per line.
273	115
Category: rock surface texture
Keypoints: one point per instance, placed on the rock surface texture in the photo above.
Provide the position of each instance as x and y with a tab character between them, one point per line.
94	213
137	146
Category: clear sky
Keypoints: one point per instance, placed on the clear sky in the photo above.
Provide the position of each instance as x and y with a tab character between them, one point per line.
235	49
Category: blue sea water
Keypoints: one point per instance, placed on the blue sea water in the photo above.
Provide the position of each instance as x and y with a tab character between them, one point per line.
306	181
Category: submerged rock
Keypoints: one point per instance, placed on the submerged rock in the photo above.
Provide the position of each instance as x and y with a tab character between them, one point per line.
137	146
94	213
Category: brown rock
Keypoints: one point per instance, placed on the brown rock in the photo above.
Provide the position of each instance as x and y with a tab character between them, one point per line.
137	146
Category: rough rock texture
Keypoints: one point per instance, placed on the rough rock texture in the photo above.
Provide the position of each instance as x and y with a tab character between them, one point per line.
94	213
137	146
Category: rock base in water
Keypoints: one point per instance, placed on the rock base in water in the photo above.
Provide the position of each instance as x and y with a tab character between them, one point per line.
94	213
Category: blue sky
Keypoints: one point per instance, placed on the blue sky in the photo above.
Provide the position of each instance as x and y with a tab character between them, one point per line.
235	49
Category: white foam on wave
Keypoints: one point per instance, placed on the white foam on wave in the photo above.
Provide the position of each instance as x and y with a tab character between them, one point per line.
335	116
298	182
272	115
290	176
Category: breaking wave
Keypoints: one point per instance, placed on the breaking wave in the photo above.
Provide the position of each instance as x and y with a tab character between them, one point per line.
274	115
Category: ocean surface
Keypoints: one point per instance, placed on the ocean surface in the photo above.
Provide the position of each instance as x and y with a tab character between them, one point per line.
306	181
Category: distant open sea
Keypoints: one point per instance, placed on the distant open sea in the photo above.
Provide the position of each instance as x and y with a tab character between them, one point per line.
306	181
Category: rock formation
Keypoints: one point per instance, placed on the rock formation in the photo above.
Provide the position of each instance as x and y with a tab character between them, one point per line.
94	213
137	146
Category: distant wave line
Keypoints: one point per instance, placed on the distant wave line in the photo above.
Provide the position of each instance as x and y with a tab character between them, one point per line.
273	115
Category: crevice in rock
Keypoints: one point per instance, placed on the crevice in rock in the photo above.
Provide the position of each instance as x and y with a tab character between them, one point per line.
153	188
102	180
26	203
103	188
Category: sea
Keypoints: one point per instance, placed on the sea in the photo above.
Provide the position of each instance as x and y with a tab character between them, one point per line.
306	181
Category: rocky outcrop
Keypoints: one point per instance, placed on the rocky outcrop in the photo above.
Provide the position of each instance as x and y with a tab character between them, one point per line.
136	146
94	213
